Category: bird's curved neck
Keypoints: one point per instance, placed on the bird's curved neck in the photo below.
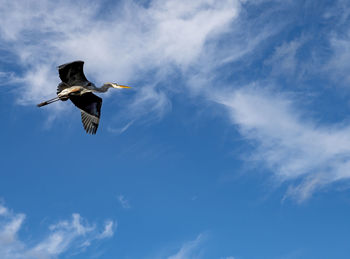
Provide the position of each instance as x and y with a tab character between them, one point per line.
103	88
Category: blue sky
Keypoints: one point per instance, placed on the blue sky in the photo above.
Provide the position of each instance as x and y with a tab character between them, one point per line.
234	142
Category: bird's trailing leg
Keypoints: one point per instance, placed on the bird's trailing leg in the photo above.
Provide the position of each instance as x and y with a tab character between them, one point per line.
63	95
48	101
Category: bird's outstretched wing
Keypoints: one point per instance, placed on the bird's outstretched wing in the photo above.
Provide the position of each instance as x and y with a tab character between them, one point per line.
73	73
90	107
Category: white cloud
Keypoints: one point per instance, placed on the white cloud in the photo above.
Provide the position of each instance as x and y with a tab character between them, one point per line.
3	210
292	147
122	129
128	42
109	229
333	60
9	230
124	202
68	235
131	42
338	65
284	60
189	250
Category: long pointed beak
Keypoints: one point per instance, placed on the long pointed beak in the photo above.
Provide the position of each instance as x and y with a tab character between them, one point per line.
124	86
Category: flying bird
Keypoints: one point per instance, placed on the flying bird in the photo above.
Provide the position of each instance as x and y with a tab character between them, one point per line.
79	90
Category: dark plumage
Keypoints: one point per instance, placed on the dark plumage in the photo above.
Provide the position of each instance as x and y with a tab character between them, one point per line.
78	89
72	74
90	107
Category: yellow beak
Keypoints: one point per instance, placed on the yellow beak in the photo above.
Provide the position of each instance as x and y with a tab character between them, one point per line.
124	86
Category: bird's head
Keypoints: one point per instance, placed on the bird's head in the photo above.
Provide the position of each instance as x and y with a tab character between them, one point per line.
117	86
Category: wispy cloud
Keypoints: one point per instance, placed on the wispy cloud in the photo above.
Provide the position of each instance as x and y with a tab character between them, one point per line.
292	147
109	230
65	236
122	129
129	42
124	202
171	46
284	60
338	65
190	249
3	210
149	46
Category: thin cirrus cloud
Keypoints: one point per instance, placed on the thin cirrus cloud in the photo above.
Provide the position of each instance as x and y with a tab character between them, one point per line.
124	202
295	149
193	249
190	249
65	236
338	64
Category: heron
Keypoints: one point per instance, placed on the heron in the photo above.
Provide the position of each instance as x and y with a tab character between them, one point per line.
79	90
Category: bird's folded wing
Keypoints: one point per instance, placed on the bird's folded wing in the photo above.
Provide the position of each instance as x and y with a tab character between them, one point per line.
90	106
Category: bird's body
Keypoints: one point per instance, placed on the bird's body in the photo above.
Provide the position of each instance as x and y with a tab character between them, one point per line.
79	90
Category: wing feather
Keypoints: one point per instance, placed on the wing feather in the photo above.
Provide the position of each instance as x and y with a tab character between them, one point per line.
73	73
90	107
90	122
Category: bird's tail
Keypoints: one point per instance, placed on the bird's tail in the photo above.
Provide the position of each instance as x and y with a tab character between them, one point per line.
48	101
